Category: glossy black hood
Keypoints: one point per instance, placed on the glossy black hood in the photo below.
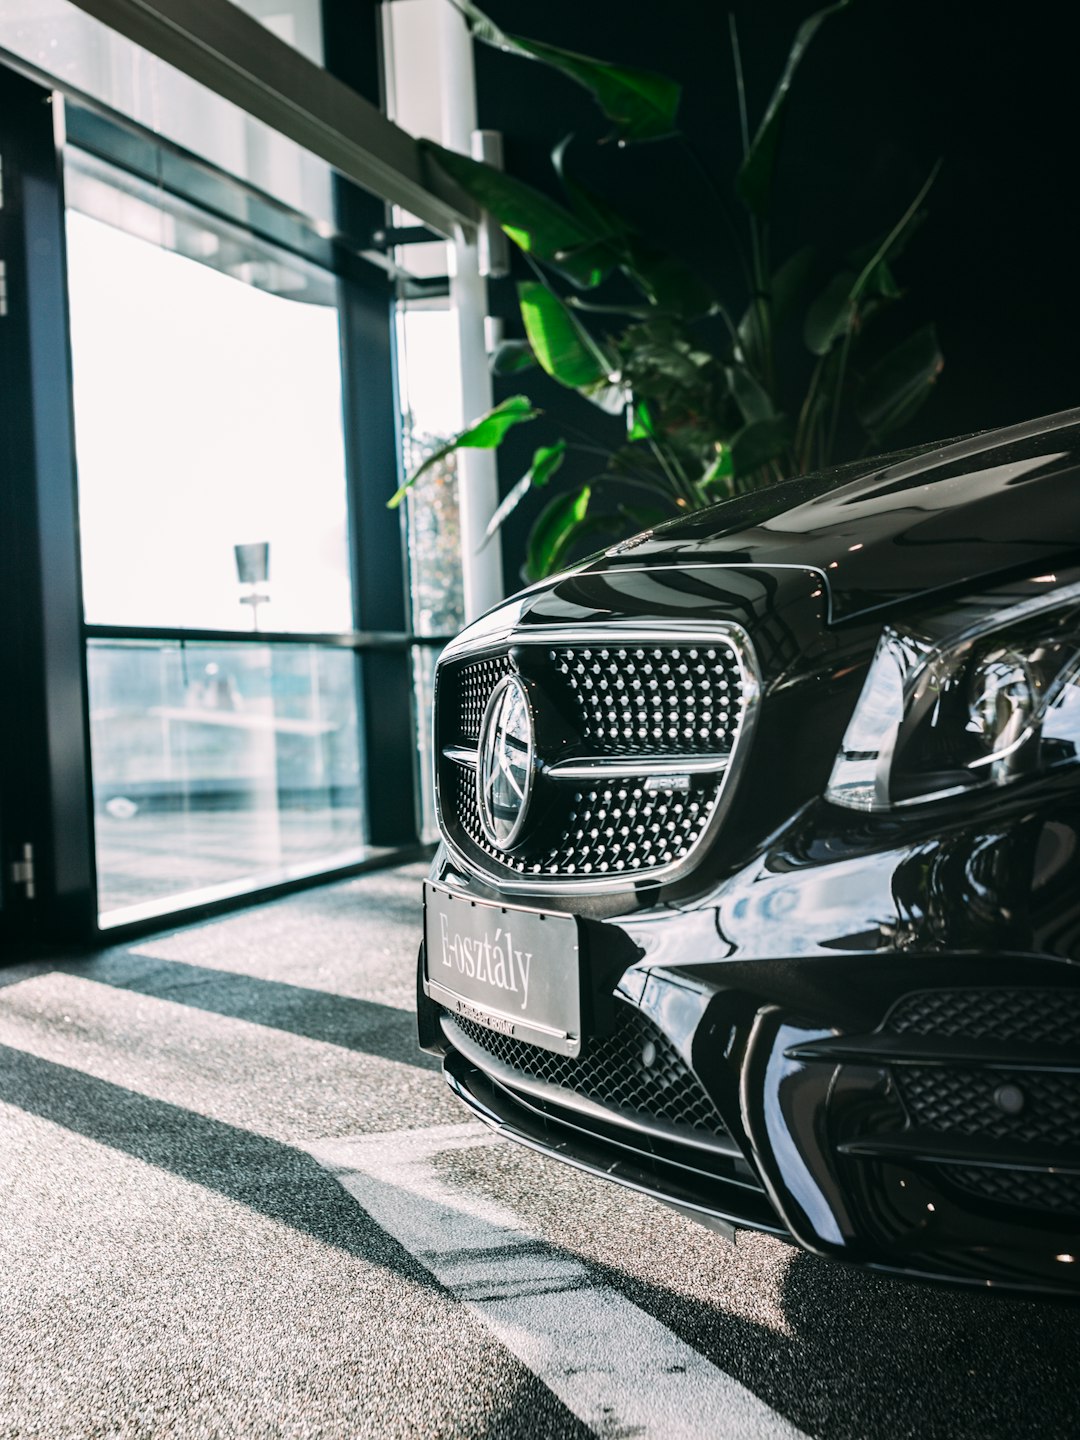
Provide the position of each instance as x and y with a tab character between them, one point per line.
1000	503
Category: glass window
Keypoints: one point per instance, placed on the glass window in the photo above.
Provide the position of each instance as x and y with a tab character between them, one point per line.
430	394
219	768
208	415
84	55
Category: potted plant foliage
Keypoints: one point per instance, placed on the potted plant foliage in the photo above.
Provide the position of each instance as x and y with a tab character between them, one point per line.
711	411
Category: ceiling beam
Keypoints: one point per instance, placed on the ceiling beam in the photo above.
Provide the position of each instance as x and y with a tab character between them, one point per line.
219	46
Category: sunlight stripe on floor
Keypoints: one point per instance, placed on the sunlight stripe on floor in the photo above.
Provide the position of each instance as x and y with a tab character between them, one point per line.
618	1369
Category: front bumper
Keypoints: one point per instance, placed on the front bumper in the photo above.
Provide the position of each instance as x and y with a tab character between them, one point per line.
883	1097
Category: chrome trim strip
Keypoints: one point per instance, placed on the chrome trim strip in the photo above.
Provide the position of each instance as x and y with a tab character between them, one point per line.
654	767
651	767
729	632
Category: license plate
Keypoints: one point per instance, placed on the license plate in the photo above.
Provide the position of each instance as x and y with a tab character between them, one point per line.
511	970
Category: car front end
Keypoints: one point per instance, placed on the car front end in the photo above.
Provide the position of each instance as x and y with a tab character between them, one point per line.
758	889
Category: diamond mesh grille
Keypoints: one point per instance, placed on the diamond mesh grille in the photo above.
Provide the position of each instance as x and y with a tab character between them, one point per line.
663	702
477	680
613	1072
618	829
961	1102
1046	1016
957	1101
672	700
1023	1188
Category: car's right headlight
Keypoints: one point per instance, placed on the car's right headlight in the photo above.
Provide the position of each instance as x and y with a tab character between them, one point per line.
943	713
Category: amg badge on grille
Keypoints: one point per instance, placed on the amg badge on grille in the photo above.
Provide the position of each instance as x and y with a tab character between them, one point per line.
504	774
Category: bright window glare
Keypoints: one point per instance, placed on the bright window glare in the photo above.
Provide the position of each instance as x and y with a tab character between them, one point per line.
430	362
207	414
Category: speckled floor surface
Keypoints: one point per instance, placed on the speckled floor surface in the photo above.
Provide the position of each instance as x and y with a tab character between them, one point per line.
175	1263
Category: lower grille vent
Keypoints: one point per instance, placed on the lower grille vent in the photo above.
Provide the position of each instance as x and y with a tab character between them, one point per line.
1026	1189
962	1102
613	1072
1037	1017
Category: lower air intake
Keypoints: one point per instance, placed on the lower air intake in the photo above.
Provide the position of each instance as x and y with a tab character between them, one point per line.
635	1070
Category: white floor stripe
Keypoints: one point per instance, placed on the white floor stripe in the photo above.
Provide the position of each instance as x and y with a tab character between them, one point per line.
618	1369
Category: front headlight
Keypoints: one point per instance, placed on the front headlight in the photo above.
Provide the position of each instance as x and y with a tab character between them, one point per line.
941	715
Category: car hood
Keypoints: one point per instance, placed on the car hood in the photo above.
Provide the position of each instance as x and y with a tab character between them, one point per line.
881	531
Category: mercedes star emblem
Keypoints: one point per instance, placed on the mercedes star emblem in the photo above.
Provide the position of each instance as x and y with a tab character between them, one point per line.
504	772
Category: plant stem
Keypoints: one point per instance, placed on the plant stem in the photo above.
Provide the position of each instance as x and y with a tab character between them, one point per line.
762	299
804	427
838	393
740	85
693	155
680	487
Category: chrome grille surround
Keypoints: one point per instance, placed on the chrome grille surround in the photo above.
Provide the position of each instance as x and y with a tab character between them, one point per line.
643	730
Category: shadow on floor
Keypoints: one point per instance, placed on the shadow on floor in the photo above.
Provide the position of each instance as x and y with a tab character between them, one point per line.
276	1181
362	1025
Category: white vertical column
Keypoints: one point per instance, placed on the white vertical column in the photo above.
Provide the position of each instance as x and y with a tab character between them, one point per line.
478	489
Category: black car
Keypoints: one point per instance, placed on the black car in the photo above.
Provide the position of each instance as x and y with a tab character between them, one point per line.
760	883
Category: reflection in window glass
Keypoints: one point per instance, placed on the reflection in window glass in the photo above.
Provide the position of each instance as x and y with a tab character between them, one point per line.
207	415
82	53
428	360
218	768
423	668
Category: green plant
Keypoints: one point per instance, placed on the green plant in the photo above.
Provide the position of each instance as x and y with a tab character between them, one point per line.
711	410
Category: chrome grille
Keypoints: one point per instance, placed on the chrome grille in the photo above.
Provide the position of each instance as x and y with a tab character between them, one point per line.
632	743
678	700
614	830
613	1071
477	681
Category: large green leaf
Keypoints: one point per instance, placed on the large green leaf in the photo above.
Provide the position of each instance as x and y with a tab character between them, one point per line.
758	443
545	462
553	531
597	213
561	344
786	289
666	280
538	224
487	433
510	357
755	177
752	398
831	314
899	383
642	103
834	311
641	425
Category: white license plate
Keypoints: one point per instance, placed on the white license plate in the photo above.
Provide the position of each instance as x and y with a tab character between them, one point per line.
511	970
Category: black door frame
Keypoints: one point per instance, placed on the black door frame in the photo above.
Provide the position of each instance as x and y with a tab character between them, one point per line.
44	749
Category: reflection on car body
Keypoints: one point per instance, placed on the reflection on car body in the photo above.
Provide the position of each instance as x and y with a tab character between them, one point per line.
785	801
